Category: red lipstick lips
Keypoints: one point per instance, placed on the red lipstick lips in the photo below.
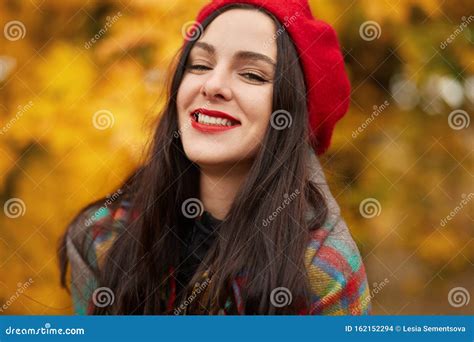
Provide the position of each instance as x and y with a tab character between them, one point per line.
215	127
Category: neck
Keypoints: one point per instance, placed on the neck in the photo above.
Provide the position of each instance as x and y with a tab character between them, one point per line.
219	186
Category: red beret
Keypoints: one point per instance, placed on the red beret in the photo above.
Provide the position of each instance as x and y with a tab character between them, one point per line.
328	88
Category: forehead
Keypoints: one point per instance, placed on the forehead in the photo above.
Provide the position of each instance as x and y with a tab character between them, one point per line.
242	29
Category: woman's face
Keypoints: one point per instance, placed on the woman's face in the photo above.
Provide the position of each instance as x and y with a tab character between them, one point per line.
225	99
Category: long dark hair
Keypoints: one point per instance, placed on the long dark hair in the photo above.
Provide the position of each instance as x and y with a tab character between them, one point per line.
137	267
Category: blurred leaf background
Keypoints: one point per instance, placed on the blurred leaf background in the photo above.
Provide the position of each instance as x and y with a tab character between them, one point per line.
405	146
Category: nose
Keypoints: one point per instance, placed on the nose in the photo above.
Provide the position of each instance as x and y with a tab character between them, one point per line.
216	85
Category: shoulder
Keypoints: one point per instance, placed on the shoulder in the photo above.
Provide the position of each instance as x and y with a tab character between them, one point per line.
95	228
88	238
336	272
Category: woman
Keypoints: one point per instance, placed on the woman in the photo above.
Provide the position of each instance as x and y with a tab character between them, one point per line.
230	213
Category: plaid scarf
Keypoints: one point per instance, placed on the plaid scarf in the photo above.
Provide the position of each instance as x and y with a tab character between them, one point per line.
337	277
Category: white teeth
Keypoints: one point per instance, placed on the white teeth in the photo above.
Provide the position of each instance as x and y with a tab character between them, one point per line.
209	120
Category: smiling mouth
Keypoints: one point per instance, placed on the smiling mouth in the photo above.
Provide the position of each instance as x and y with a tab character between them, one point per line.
214	118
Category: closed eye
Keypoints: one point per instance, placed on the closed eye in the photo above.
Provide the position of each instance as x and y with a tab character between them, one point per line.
254	77
199	67
248	75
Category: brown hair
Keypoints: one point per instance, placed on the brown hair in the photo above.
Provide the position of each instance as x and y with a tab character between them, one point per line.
270	256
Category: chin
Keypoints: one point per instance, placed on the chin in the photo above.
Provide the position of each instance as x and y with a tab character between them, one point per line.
208	156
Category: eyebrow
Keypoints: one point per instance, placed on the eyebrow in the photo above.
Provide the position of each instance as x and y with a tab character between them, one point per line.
249	55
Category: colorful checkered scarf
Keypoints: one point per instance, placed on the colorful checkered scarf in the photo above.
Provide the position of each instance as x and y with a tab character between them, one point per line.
337	277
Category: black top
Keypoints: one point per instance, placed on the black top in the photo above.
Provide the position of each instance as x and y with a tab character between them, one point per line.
198	241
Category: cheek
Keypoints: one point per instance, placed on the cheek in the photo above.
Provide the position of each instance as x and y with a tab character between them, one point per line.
258	106
187	91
